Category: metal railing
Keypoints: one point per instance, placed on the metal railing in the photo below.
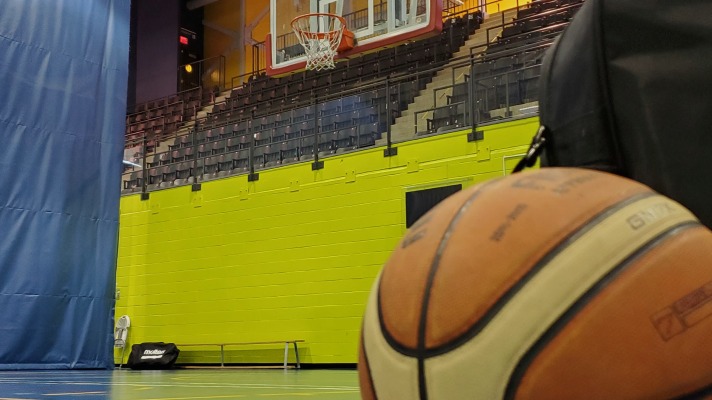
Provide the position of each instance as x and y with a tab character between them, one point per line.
206	73
238	139
324	125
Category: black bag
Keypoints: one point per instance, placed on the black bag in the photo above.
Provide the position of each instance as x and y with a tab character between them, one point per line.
154	355
627	88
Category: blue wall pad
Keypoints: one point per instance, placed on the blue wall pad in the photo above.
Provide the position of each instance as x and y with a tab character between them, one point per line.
64	69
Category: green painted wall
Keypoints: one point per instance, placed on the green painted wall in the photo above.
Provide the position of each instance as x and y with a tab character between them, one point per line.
290	256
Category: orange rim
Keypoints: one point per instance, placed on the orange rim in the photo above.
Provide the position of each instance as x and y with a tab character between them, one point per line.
317	34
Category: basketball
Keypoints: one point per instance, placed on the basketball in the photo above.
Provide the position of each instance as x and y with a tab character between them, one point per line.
559	283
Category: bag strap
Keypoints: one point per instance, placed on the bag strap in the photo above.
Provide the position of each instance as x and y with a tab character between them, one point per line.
535	149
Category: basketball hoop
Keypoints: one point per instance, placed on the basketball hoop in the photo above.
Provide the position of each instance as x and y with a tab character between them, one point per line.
321	36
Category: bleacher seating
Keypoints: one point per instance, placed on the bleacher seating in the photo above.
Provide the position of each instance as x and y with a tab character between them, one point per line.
506	76
288	131
267	122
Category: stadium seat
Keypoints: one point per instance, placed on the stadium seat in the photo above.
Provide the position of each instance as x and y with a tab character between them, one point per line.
241	161
306	147
346	139
258	157
272	155
210	170
225	164
289	151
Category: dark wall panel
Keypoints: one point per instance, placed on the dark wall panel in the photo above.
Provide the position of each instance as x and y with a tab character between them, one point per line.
157	31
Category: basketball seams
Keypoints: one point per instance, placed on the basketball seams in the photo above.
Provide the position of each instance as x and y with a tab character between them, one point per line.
563	244
391	370
503	236
386	334
427	231
420	352
518	325
367	367
528	358
562	271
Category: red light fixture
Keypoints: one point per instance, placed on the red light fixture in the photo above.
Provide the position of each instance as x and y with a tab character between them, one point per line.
183	39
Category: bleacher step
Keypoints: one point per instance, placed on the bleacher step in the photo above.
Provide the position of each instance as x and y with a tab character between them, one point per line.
404	125
479	39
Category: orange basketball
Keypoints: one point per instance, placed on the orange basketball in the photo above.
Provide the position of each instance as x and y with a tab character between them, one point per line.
559	283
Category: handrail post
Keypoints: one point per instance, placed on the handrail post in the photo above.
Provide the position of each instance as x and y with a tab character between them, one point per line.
390	150
196	182
252	176
415	123
316	164
471	94
144	172
388	110
508	112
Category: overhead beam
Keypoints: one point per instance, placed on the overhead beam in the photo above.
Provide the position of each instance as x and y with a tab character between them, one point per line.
249	40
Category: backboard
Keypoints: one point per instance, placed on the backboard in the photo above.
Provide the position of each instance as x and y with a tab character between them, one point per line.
375	23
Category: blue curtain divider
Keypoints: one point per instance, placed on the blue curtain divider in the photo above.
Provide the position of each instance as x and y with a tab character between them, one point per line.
64	70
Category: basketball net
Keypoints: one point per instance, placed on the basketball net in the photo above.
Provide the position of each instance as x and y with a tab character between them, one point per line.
320	35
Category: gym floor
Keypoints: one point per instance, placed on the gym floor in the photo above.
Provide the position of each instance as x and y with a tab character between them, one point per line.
180	384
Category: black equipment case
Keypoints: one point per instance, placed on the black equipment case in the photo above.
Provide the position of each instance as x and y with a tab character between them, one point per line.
627	88
153	355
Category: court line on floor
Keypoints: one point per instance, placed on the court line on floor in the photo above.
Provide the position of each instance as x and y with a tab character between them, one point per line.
187	385
73	393
14	398
251	395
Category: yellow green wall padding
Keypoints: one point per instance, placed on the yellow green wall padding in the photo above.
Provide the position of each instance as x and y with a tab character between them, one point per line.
290	256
